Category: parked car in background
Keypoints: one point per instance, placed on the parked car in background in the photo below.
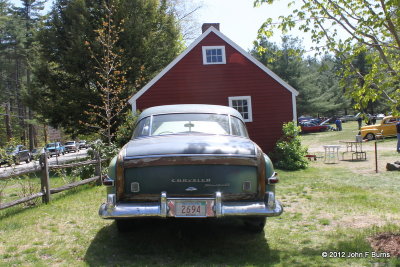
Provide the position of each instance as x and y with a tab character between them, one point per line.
304	118
83	144
71	146
193	162
386	127
36	152
380	116
55	149
309	127
16	154
347	118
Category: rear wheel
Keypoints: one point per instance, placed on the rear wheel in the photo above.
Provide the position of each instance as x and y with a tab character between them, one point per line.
255	224
370	136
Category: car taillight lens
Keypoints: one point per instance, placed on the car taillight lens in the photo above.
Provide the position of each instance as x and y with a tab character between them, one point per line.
273	179
107	181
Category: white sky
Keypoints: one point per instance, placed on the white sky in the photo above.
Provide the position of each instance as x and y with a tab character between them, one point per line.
238	19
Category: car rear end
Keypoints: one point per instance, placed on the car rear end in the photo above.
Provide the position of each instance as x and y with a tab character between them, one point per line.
191	185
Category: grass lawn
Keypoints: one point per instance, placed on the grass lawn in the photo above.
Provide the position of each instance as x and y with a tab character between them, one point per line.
328	208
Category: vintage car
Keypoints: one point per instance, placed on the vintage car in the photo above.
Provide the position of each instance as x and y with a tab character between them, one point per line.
309	127
191	161
385	128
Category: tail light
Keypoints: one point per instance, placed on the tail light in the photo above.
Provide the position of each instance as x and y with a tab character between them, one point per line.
107	181
273	179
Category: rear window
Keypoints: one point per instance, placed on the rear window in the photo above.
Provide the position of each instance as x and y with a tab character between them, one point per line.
190	123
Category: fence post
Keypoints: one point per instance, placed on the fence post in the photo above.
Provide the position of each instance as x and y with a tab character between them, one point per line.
98	167
44	181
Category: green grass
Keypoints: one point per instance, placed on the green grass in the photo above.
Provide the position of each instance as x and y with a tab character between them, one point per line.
328	208
18	187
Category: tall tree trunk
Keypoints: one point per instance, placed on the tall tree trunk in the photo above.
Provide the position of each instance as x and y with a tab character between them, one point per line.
31	131
7	121
20	106
45	133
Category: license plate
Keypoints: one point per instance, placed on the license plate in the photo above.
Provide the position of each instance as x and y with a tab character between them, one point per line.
190	208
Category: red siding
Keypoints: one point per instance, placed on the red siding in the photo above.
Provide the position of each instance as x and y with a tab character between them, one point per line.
191	82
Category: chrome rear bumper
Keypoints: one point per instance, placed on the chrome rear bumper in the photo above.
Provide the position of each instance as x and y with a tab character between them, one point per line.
112	210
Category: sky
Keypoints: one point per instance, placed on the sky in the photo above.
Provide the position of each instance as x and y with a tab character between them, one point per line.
238	19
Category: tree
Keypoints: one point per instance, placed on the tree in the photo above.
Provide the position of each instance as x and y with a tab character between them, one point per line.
370	25
66	77
18	26
185	11
316	81
31	17
111	82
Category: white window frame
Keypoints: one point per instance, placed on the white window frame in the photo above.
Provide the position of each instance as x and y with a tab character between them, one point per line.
205	48
249	106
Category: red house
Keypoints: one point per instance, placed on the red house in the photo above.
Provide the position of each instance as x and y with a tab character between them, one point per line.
215	70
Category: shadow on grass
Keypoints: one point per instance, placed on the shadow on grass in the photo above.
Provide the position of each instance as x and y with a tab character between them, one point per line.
180	242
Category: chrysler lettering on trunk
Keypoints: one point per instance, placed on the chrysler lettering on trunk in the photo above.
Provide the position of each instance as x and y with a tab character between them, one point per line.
190	180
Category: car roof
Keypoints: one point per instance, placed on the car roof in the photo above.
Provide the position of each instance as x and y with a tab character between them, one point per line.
190	108
389	117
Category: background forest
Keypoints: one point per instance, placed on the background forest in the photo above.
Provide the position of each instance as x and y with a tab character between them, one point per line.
74	67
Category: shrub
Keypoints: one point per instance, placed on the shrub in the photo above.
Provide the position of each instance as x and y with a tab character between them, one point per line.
288	153
125	130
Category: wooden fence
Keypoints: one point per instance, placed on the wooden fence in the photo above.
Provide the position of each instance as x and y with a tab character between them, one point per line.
46	190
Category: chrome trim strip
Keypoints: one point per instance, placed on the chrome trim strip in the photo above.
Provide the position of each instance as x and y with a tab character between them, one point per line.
191	198
192	155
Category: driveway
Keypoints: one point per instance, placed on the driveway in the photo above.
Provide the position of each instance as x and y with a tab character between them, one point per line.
6	170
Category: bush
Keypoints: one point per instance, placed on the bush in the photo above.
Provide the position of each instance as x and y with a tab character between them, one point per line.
125	130
288	153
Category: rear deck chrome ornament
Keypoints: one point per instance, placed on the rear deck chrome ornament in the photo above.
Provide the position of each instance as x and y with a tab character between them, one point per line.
190	189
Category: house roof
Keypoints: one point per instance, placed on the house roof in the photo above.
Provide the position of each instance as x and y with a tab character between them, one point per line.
133	99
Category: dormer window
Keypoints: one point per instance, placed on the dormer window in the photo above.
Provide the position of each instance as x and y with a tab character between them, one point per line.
214	55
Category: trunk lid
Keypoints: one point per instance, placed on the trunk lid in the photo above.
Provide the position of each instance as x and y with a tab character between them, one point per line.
190	145
190	165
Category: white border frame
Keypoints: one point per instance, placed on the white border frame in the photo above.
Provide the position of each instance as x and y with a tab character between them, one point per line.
250	109
204	49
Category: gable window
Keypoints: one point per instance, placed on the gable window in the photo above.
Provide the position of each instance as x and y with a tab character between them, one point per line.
214	55
243	105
